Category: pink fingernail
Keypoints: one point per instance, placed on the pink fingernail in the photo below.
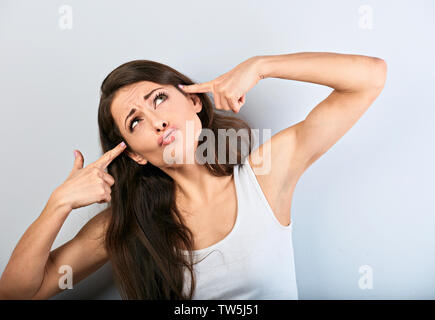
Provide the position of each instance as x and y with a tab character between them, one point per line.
180	86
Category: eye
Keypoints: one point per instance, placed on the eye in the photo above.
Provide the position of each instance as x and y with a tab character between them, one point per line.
158	96
130	126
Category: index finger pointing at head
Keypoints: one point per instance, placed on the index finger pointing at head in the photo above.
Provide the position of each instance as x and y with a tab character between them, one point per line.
201	87
108	157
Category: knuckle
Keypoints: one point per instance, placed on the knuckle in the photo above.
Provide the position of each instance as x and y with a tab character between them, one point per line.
111	179
97	175
102	193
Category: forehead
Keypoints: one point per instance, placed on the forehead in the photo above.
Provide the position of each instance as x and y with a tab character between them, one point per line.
131	95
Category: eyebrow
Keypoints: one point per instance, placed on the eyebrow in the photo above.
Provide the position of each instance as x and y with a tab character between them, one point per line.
133	110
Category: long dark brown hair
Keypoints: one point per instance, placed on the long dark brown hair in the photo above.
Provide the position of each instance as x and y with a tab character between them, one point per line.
146	231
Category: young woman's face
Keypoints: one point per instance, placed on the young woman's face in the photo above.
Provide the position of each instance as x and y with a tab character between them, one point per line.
158	108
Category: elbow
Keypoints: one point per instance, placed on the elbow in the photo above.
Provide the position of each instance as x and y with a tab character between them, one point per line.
379	74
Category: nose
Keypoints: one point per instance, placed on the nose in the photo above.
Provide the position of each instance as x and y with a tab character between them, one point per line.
160	125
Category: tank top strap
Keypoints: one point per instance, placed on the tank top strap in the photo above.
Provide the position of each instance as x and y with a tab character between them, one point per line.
252	193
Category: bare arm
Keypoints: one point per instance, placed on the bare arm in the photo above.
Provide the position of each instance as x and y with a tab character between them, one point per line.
32	271
356	81
24	272
85	254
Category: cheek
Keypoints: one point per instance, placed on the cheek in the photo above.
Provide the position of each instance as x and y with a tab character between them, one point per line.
198	128
143	139
192	127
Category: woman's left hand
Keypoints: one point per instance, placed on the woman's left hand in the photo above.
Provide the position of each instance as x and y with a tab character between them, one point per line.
229	90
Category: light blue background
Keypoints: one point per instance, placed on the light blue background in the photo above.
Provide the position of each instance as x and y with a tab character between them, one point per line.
367	201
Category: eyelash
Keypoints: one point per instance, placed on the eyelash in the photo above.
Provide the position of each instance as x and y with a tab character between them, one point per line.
158	96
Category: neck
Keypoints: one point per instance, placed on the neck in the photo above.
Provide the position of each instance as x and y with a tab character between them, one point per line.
195	185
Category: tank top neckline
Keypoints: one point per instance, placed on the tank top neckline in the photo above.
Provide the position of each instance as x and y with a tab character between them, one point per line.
236	223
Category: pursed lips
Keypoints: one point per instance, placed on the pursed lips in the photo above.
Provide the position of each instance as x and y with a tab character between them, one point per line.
170	130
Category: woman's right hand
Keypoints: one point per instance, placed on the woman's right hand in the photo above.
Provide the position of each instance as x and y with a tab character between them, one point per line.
85	186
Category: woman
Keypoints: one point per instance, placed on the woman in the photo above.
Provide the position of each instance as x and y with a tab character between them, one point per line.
166	211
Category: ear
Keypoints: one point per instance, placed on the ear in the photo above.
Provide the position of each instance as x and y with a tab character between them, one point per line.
197	103
137	158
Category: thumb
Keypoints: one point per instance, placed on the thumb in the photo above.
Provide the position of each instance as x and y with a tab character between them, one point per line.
78	162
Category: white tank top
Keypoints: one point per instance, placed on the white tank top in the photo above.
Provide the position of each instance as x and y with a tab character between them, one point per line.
255	260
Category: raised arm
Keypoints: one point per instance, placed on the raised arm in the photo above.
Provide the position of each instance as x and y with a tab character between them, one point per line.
25	270
32	270
85	254
356	81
